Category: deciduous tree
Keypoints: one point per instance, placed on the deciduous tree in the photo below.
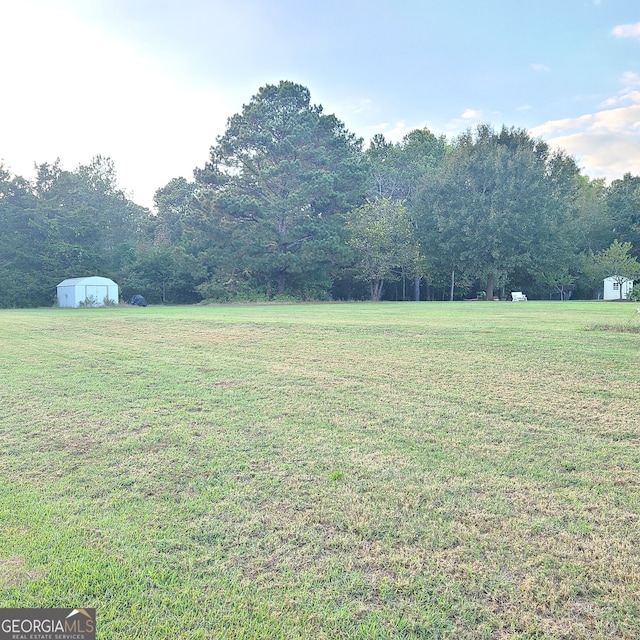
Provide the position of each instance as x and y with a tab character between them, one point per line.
623	199
396	170
383	235
496	205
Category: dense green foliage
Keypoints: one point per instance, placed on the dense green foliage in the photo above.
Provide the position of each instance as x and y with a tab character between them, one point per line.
64	224
272	193
290	206
384	238
616	260
498	207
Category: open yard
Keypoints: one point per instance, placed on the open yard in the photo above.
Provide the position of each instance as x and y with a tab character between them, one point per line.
407	470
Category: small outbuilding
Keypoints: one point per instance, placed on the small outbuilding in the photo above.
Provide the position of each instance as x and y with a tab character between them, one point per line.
613	285
92	291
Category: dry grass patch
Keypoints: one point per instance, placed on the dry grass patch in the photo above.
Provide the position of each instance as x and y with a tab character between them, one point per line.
15	572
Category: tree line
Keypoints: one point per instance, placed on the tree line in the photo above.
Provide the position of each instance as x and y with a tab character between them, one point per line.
290	205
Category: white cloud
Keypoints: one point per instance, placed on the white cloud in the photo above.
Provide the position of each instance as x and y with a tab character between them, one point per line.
397	131
362	105
622	97
630	78
468	118
540	68
627	95
606	155
349	106
605	143
627	30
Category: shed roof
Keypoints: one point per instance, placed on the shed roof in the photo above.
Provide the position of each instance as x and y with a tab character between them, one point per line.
70	282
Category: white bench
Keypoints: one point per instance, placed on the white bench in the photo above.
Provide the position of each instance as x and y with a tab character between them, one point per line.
518	296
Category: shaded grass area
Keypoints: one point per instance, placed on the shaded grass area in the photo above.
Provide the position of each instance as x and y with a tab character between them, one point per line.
324	471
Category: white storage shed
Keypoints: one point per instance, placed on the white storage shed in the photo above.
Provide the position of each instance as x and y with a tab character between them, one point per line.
93	291
612	286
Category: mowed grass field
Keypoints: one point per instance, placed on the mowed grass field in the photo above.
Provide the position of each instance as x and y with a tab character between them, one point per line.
407	470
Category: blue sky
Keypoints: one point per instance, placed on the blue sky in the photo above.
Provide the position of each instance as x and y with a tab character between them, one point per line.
151	83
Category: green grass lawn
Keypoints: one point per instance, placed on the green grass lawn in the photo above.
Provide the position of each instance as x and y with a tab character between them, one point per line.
408	470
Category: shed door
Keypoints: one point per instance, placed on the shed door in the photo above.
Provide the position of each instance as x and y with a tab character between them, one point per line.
97	292
67	296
